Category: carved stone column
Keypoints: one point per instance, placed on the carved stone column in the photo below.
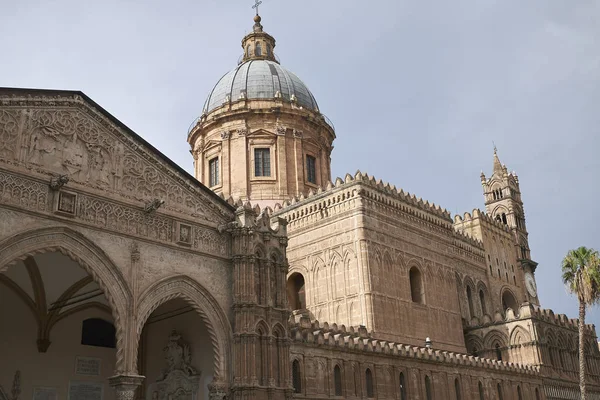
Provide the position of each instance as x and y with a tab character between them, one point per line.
216	391
125	385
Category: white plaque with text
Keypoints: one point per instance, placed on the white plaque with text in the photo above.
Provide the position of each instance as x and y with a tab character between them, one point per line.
86	390
87	366
44	393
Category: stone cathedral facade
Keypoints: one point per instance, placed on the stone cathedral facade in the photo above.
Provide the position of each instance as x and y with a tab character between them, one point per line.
124	277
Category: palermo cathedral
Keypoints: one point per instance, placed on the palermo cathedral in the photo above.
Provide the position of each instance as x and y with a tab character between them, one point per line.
125	278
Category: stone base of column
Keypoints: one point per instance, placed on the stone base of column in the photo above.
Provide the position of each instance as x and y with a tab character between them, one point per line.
125	385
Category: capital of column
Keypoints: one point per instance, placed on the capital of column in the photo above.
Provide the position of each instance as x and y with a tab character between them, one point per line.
217	391
125	385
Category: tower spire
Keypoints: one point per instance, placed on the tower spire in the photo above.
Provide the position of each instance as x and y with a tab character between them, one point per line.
498	169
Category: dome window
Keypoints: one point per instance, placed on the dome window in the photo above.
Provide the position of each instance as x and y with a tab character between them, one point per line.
311	169
258	50
262	162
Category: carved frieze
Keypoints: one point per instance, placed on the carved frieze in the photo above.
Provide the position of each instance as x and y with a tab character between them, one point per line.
9	132
64	135
23	192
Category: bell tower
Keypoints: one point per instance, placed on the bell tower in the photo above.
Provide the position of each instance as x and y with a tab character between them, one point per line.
504	204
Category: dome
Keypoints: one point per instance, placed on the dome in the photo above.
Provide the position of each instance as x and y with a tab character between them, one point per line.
259	79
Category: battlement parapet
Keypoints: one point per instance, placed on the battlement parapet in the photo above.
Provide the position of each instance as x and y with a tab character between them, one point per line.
477	214
334	336
420	208
526	311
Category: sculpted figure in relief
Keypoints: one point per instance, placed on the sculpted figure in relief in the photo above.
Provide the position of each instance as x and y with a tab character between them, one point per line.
179	380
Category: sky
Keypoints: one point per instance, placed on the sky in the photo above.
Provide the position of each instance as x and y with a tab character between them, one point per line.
418	91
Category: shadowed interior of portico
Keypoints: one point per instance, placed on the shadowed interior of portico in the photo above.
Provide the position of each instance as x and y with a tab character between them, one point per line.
58	327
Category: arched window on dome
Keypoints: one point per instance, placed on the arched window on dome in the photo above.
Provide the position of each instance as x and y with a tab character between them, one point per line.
258	50
269	50
248	51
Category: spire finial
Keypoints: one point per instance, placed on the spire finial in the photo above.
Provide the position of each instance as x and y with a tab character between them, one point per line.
495	149
256	4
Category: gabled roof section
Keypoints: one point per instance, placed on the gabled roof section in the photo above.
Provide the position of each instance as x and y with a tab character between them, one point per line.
105	124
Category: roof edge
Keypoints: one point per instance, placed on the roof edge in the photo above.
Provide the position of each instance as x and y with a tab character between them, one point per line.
129	131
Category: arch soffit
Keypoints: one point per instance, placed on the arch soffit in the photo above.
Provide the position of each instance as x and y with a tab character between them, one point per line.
506	289
469	282
495	337
206	306
90	257
519	335
278	330
500	208
297	269
482	287
474	342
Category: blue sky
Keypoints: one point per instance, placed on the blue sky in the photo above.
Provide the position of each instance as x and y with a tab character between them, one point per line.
417	90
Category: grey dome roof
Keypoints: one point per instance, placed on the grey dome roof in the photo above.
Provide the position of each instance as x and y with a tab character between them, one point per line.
260	79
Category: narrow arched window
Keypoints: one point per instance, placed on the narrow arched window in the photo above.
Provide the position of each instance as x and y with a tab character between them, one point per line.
504	220
98	332
481	394
369	383
258	50
248	50
402	387
537	394
296	377
470	302
416	285
428	394
482	302
457	389
498	352
269	50
500	396
519	394
296	291
337	380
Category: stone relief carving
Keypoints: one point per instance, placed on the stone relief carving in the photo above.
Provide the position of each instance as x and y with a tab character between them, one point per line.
23	192
210	241
34	195
65	136
179	380
124	219
9	132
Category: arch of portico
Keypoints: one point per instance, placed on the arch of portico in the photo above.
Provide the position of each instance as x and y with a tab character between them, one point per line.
205	305
94	261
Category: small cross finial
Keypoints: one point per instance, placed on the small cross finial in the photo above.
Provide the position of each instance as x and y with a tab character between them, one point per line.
256	4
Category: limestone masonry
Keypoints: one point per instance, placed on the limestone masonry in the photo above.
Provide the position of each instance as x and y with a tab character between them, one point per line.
260	277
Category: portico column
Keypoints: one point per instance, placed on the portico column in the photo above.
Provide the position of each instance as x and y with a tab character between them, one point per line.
125	385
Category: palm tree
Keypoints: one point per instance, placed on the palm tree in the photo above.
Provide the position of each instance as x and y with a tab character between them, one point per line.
581	275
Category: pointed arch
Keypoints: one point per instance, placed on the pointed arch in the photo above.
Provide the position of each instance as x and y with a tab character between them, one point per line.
519	336
494	338
93	260
206	306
